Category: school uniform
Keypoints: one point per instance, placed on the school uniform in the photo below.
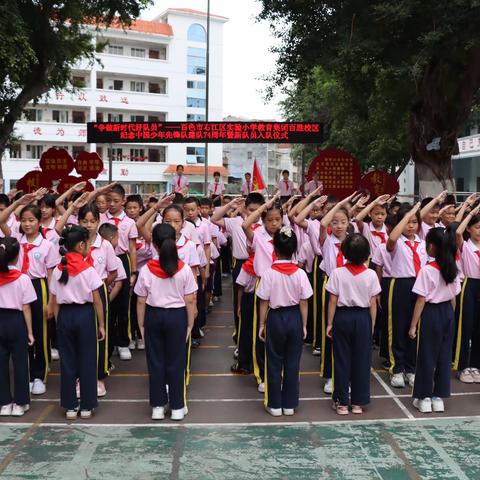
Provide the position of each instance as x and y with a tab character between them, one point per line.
375	237
166	330
355	286
246	188
221	242
306	257
284	285
127	230
12	224
286	189
216	188
434	333
77	331
311	186
50	233
34	260
178	183
16	290
408	257
467	343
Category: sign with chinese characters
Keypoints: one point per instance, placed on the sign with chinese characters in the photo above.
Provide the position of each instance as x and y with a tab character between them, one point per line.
89	165
379	182
32	181
56	163
469	144
204	132
339	172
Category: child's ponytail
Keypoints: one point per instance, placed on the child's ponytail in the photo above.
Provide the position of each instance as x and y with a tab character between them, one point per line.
445	251
9	250
72	235
163	237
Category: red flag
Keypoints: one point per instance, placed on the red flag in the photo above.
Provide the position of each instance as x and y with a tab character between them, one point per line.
257	180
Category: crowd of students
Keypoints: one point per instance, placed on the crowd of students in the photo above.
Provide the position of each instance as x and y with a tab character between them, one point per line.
87	275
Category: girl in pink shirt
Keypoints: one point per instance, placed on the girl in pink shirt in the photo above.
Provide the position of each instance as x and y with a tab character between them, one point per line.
16	295
436	287
352	312
78	307
408	255
166	309
283	291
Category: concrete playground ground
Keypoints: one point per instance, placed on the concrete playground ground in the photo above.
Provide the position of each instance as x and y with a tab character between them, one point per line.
228	435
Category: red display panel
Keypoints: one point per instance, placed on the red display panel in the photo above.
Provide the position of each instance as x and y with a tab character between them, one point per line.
379	182
204	132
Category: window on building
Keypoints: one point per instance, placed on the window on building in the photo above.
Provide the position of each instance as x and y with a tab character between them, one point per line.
115	117
158	53
193	117
34	151
196	85
137	155
33	115
249	155
137	118
137	86
195	154
197	61
99	116
60	116
78	117
137	52
115	50
99	83
196	33
115	153
158	87
15	151
157	154
161	117
196	102
118	84
79	81
460	183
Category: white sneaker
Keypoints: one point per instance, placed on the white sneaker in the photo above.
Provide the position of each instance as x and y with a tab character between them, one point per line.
131	345
328	387
437	405
39	387
86	414
19	410
158	413
55	354
202	333
140	344
211	304
316	352
274	412
423	405
101	390
31	386
77	388
6	410
410	378
179	414
397	380
124	353
288	411
71	414
235	354
261	388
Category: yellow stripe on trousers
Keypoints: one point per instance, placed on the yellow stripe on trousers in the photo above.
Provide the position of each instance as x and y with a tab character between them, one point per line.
256	368
43	286
315	300
390	326
458	346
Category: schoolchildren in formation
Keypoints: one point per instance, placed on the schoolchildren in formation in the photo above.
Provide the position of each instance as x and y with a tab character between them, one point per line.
87	276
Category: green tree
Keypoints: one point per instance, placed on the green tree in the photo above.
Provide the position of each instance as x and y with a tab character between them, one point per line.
42	40
416	63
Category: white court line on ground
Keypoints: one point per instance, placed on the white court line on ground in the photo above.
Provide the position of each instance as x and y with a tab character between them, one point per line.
395	398
184	424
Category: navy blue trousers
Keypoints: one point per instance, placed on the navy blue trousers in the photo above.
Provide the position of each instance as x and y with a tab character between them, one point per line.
77	342
103	346
201	317
237	266
120	334
39	352
245	331
284	343
166	350
258	346
310	317
467	344
434	353
401	303
14	344
352	355
217	279
322	322
382	317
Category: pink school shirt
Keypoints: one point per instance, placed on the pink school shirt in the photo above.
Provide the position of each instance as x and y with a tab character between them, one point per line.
179	182
121	273
144	252
247	188
11	224
283	290
104	258
190	232
383	259
286	188
353	290
424	229
402	258
306	256
51	234
127	230
233	226
186	250
216	188
263	246
374	240
329	252
431	285
166	292
313	234
41	258
311	186
246	281
470	259
78	289
203	232
16	294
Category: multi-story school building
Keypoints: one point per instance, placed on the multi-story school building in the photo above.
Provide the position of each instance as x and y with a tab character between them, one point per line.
154	71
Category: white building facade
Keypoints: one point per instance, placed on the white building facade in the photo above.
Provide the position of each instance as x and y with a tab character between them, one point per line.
155	71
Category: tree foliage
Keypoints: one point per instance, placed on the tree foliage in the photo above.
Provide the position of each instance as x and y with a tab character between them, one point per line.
406	72
42	40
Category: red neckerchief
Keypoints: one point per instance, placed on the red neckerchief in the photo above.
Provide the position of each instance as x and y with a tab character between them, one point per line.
9	277
139	244
76	263
381	235
285	268
274	255
26	260
435	265
417	264
158	271
287	185
355	269
339	259
248	266
179	181
216	185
